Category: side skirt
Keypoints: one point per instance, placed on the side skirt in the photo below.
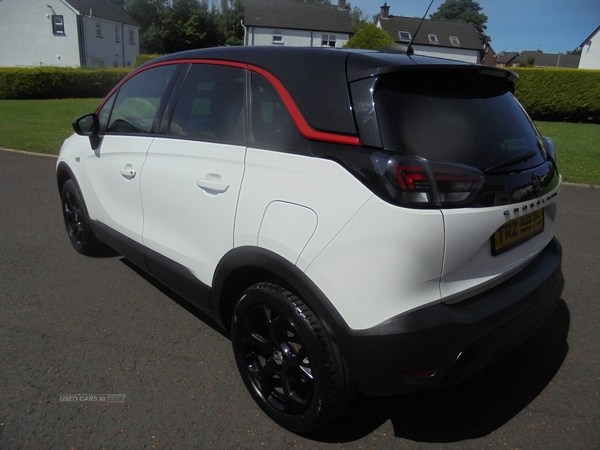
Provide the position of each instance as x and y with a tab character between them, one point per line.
177	277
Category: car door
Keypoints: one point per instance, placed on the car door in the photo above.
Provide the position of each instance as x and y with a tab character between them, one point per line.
127	121
191	180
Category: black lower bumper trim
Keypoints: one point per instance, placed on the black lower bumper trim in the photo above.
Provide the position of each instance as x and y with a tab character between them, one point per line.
456	340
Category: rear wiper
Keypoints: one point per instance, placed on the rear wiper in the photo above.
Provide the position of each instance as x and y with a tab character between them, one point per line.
521	157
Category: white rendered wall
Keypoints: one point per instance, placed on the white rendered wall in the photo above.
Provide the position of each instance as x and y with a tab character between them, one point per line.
455	54
590	54
26	37
105	51
292	38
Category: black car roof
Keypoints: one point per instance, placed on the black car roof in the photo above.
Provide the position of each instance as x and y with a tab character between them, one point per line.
316	78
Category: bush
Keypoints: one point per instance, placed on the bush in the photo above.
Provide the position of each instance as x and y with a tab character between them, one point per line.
560	95
370	37
142	59
57	82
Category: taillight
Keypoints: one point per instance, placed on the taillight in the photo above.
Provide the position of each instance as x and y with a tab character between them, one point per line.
418	182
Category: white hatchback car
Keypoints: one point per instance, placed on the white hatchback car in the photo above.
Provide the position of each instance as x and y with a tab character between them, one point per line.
356	220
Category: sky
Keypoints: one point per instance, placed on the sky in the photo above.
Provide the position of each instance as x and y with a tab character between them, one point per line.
553	26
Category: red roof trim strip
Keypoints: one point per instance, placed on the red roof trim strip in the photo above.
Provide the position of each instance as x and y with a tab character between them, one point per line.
305	129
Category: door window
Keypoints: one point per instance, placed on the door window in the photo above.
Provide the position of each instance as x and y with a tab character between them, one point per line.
134	106
211	105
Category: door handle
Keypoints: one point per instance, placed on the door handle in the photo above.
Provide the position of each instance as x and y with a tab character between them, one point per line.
128	171
212	186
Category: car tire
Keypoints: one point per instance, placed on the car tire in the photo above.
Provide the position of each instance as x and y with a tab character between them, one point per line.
77	221
287	360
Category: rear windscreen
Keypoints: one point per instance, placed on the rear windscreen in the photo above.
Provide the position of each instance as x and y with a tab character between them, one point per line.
458	116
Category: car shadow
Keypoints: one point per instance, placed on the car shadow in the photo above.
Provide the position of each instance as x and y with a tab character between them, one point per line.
185	304
104	251
471	409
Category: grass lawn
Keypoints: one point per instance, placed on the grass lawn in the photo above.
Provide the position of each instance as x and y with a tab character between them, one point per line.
42	125
578	150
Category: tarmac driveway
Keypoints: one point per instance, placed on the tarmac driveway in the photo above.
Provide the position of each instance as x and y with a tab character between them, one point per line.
146	370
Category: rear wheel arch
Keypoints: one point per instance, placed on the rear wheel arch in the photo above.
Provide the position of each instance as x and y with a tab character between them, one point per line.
246	266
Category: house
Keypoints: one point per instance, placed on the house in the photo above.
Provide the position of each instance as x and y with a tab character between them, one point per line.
457	41
67	33
279	22
507	59
490	57
537	58
590	51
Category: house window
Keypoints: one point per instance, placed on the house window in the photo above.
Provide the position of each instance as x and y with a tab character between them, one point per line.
98	30
328	40
117	35
277	37
433	38
132	36
58	25
454	40
404	35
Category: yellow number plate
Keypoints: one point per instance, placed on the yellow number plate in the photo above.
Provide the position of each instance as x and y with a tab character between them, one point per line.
517	231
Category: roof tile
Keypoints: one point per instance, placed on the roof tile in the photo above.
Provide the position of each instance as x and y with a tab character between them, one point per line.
103	9
466	33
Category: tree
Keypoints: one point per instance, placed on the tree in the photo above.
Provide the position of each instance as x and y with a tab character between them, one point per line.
149	14
184	26
171	26
463	11
229	21
359	18
370	37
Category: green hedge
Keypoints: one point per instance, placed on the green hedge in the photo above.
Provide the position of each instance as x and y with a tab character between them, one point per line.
55	82
560	95
554	95
141	59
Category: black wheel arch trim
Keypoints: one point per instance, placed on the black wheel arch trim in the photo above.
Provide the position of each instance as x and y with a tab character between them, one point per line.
244	266
64	173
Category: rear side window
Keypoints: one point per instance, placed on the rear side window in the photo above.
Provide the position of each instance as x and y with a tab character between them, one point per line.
456	116
211	104
136	102
272	125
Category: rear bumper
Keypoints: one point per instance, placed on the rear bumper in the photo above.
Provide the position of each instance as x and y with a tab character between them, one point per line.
456	340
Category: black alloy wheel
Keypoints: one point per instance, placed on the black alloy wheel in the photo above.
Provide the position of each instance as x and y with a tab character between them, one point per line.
286	359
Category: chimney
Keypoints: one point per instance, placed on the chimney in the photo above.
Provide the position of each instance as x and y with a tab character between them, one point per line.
385	11
341	4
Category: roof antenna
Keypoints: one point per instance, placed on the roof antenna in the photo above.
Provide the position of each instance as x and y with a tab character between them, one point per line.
403	48
409	49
